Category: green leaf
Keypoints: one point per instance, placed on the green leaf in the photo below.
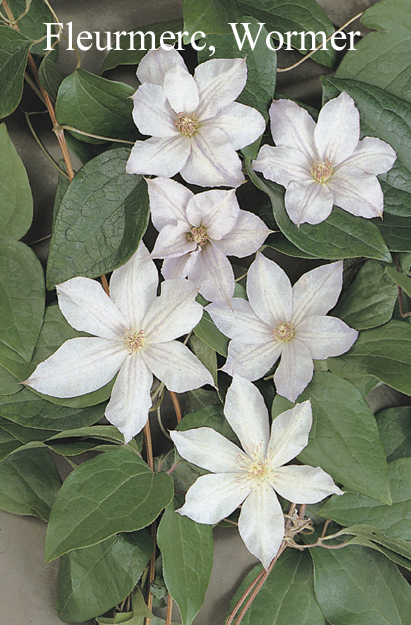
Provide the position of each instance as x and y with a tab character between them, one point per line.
33	24
358	585
205	354
29	483
370	299
209	16
19	435
394	425
344	438
397	550
401	279
16	203
21	297
14	49
95	105
208	417
125	56
341	235
9	384
383	352
199	398
396	232
101	220
50	76
208	332
187	549
114	492
280	243
95	579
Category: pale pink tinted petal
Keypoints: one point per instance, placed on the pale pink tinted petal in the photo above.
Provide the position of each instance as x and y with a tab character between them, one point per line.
269	291
159	157
212	160
172	314
293	127
317	291
79	366
357	192
239	321
282	164
152	113
241	123
246	236
326	336
181	90
178	267
214	497
294	371
261	524
219	81
289	434
168	201
372	156
247	414
156	63
251	361
308	201
213	274
177	367
215	210
338	129
303	484
210	450
88	308
130	398
133	287
172	242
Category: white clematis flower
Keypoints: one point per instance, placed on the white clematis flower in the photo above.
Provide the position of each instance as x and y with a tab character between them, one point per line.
194	123
283	320
325	163
198	231
253	476
134	334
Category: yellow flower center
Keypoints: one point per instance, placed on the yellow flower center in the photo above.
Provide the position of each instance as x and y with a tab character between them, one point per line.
198	235
322	171
187	124
256	470
133	340
283	332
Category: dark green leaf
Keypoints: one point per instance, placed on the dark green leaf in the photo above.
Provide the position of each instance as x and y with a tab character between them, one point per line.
396	232
280	243
376	539
394	425
9	384
14	49
208	417
51	77
205	354
401	279
199	398
33	24
209	16
208	332
19	435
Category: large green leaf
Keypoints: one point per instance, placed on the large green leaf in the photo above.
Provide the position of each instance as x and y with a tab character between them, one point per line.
101	219
356	585
397	550
394	425
95	579
208	332
187	549
114	492
16	203
21	297
209	16
396	232
9	384
19	435
50	76
14	49
403	281
208	417
33	24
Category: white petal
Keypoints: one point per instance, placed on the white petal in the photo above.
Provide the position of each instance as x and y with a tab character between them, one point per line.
213	274
240	321
293	127
289	434
269	291
78	367
372	156
168	201
219	81
251	361
294	371
130	398
247	414
338	129
88	308
172	314
156	63
172	241
246	236
326	336
303	484
159	157
133	287
177	367
308	201
243	124
215	210
317	291
214	497
210	450
282	164
181	90
152	113
212	160
261	524
357	192
177	267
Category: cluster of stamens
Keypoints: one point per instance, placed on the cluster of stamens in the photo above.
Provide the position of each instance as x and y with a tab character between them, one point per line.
198	235
187	124
283	332
322	171
256	470
133	340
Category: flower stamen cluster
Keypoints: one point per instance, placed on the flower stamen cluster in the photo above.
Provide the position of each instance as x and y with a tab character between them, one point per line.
187	124
284	332
322	171
198	235
134	340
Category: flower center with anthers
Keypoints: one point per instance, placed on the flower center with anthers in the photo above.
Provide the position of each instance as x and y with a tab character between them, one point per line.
198	235
133	340
322	171
283	332
256	470
187	124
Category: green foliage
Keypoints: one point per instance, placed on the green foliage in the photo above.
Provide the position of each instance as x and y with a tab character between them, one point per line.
208	332
50	76
209	16
211	416
14	49
394	425
33	24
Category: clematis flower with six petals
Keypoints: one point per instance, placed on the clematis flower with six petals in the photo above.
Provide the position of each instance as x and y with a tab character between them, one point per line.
281	320
134	335
325	163
253	476
197	232
194	123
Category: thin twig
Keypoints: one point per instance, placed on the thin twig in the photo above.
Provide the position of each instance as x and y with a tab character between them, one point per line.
402	313
41	146
90	134
105	284
169	610
152	573
149	445
176	405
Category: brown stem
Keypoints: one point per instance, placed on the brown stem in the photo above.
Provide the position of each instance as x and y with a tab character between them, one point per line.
176	405
169	610
105	284
243	598
149	445
152	573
